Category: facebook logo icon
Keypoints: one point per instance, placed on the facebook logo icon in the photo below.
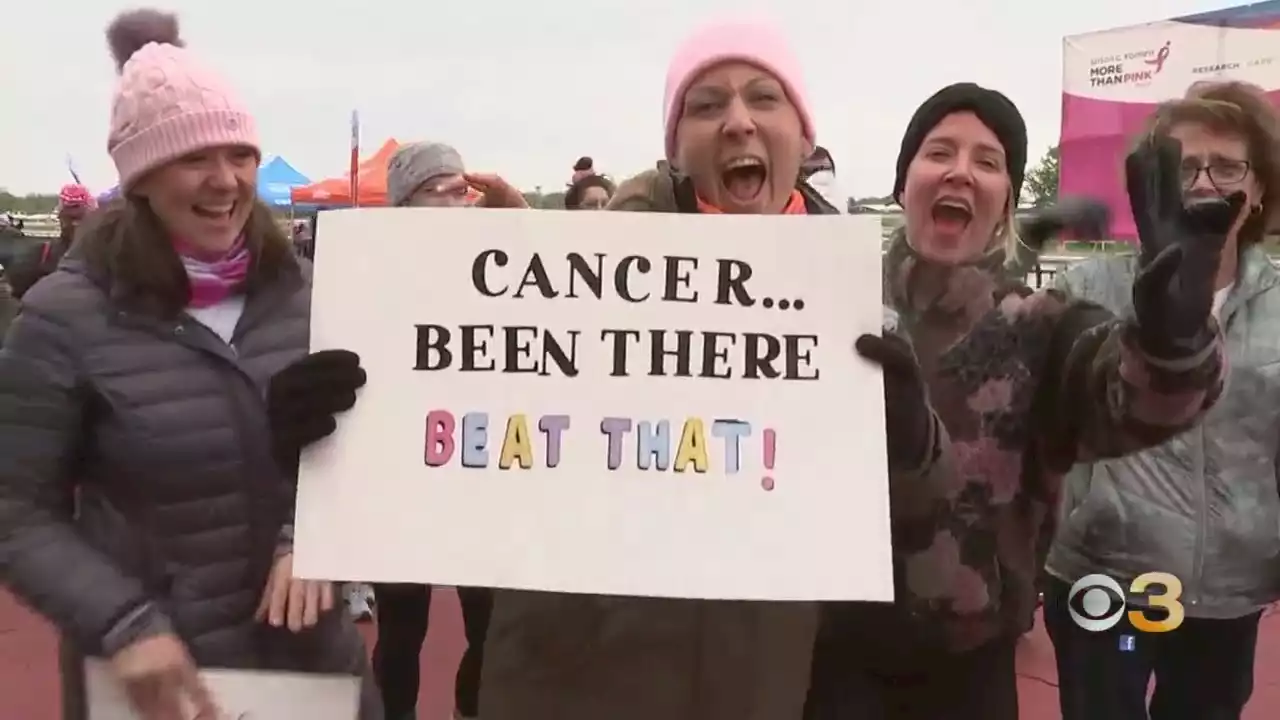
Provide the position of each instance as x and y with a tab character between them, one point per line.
1127	643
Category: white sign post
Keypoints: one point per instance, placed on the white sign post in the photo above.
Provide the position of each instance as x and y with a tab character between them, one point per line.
614	403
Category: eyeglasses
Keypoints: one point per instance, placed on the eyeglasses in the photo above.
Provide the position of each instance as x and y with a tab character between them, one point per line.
1219	172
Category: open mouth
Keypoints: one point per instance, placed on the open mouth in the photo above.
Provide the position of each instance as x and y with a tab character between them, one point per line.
744	178
952	215
214	213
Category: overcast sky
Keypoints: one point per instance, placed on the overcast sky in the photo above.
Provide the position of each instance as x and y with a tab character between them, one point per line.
524	88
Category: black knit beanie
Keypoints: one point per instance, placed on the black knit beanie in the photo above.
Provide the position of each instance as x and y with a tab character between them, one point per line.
994	110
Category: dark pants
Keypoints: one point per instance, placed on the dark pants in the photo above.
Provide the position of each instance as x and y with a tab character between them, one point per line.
977	685
1203	670
403	611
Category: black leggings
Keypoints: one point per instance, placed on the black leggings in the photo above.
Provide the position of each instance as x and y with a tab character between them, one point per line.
403	611
1203	670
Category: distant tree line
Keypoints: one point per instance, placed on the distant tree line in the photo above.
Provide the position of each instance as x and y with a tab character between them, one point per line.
31	204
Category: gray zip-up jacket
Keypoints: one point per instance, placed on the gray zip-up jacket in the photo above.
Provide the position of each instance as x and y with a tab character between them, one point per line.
1204	506
162	428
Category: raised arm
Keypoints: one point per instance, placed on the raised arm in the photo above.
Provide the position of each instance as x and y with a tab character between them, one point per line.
1112	386
43	560
1103	395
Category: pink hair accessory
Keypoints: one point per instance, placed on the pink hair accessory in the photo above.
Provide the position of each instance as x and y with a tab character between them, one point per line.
75	195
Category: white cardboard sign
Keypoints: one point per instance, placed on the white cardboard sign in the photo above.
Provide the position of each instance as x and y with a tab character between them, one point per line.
240	694
598	402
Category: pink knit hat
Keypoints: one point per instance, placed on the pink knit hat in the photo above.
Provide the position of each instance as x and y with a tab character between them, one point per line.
758	45
166	104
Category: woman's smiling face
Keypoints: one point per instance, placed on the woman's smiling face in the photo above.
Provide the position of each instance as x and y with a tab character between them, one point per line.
957	190
204	198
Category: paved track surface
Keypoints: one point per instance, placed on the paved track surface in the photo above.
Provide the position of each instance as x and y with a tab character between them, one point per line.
29	679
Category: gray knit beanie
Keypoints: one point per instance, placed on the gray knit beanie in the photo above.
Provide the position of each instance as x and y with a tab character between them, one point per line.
416	163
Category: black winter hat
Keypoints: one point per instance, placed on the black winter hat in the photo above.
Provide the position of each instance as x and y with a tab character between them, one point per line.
994	110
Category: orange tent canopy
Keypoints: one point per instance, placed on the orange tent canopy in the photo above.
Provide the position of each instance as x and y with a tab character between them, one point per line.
371	177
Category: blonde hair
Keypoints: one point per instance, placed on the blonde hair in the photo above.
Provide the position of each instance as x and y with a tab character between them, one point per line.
1005	241
1235	108
1007	237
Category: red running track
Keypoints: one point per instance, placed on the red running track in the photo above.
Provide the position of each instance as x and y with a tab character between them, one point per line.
29	676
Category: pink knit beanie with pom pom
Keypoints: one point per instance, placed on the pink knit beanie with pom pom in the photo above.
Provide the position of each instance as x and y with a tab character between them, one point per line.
166	104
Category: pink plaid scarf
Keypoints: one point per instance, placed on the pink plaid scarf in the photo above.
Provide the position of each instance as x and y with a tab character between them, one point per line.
214	278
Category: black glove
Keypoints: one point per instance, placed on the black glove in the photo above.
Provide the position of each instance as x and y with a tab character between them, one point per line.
1181	244
1084	217
908	419
303	398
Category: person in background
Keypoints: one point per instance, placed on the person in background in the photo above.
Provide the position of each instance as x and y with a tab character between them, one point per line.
426	174
1204	506
8	304
10	237
591	192
75	202
300	230
162	371
583	167
819	171
312	223
737	128
992	392
431	174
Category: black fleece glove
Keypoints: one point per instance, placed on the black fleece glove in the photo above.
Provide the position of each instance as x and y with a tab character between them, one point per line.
303	398
908	419
1084	217
1181	244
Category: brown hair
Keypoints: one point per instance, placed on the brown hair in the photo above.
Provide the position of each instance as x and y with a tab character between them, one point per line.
1242	109
125	245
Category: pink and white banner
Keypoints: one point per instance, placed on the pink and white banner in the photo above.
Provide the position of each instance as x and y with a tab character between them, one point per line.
1112	80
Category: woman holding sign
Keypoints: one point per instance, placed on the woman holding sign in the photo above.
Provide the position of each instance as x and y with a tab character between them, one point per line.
993	391
162	371
738	130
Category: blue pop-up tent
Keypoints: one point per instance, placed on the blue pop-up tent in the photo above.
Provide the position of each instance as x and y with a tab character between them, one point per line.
111	194
276	179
